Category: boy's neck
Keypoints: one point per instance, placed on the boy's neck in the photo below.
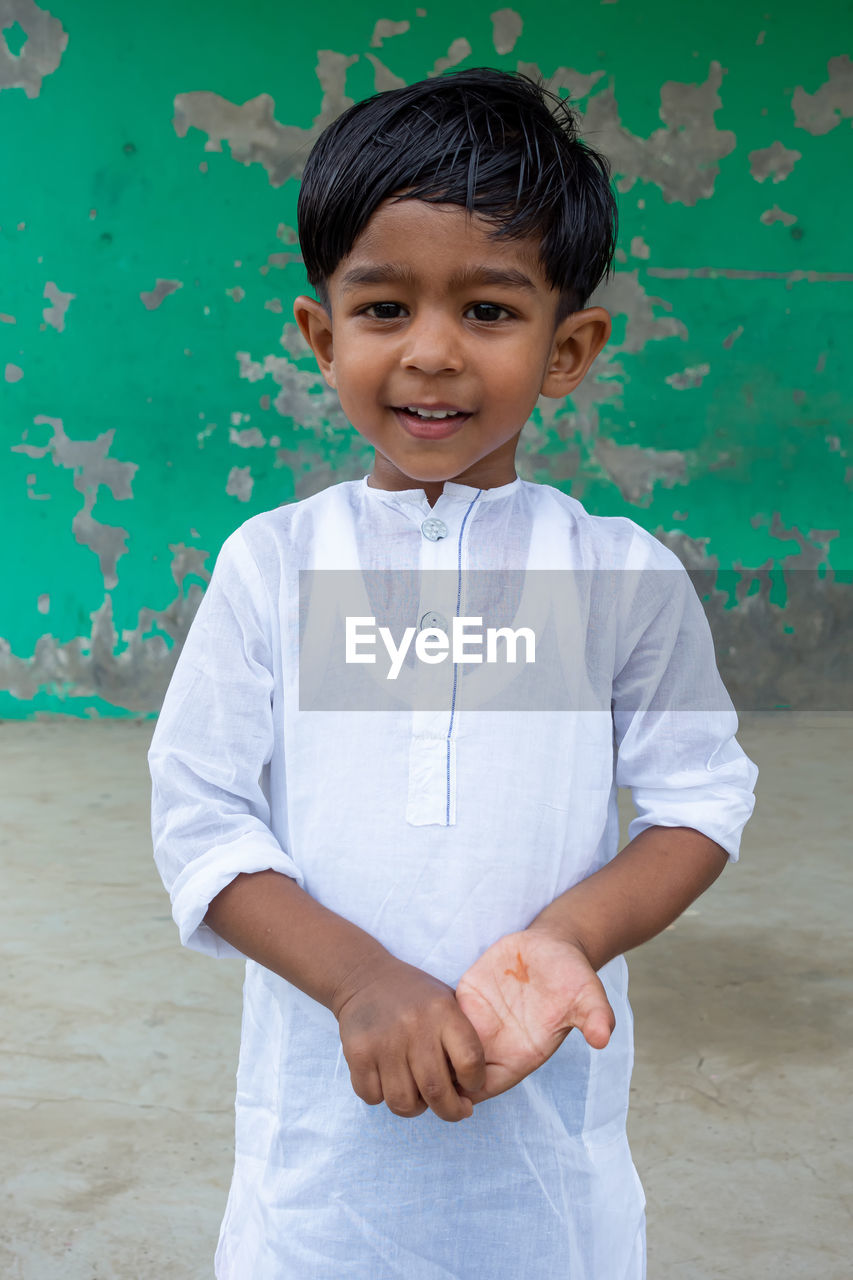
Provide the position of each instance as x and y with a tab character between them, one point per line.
432	491
380	478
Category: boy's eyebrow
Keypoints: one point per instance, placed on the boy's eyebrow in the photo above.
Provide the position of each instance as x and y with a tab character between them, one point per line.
402	273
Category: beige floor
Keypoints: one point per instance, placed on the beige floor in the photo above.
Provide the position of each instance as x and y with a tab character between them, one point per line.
119	1047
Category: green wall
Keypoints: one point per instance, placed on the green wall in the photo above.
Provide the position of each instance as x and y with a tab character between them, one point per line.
154	391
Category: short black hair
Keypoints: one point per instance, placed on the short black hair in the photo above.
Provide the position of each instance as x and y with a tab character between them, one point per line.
495	142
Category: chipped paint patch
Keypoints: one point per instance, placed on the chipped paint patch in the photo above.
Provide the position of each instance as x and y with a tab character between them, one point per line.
253	134
385	28
40	53
188	562
507	26
54	315
279	261
682	158
459	50
624	295
92	467
576	83
769	216
383	77
13	372
776	162
688	378
152	299
133	677
635	471
304	396
240	483
761	664
823	111
309	475
251	438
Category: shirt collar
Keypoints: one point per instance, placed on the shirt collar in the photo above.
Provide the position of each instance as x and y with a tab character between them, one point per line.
451	492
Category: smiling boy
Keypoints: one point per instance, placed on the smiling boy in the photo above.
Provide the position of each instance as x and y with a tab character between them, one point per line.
430	900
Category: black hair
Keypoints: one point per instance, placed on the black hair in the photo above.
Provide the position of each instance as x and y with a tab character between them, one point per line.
498	143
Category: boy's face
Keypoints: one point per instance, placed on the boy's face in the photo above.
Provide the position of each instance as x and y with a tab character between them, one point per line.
428	312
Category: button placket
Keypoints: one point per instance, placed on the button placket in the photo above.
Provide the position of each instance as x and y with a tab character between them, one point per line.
431	751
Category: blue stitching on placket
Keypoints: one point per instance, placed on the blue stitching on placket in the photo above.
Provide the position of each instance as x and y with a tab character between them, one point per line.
453	698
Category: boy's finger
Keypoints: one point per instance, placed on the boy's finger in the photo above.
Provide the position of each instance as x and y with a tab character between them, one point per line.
432	1077
400	1091
466	1056
367	1085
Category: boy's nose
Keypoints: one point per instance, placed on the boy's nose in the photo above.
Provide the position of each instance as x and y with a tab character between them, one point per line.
431	346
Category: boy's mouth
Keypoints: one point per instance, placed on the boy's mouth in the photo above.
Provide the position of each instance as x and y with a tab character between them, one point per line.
428	427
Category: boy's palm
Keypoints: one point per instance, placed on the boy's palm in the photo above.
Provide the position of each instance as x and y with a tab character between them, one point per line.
523	996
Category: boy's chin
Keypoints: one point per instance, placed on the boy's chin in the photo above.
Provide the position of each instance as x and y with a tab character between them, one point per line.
413	476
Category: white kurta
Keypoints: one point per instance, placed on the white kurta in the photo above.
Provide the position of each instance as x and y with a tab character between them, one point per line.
437	831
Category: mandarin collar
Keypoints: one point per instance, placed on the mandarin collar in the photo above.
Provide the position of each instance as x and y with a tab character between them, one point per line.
451	492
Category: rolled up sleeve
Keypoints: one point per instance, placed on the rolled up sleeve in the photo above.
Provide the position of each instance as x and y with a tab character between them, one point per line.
210	810
674	723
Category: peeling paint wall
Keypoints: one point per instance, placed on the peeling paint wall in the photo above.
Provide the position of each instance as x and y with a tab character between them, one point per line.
155	391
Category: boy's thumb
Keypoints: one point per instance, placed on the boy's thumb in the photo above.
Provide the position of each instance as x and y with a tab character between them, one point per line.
597	1026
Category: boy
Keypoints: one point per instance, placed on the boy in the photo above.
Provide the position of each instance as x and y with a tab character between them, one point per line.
430	897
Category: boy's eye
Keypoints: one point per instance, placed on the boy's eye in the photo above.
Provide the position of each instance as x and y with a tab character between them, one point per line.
491	307
381	310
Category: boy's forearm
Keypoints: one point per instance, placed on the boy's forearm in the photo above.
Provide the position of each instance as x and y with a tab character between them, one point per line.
636	895
271	920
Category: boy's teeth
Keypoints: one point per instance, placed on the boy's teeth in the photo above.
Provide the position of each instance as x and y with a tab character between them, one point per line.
432	413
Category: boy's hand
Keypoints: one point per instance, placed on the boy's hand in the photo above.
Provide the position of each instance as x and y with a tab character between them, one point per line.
523	996
407	1042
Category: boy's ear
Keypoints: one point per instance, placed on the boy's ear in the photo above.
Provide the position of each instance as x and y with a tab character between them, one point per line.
316	328
578	340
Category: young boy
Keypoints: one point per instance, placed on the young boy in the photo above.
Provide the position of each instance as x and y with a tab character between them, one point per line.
430	895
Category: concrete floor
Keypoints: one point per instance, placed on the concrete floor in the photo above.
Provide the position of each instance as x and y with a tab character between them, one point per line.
120	1047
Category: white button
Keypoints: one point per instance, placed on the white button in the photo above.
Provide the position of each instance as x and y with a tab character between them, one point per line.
433	619
433	528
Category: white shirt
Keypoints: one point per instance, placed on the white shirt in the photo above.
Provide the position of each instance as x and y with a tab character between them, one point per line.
437	830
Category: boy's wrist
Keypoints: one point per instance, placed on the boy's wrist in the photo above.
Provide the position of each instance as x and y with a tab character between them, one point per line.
635	895
358	975
557	922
